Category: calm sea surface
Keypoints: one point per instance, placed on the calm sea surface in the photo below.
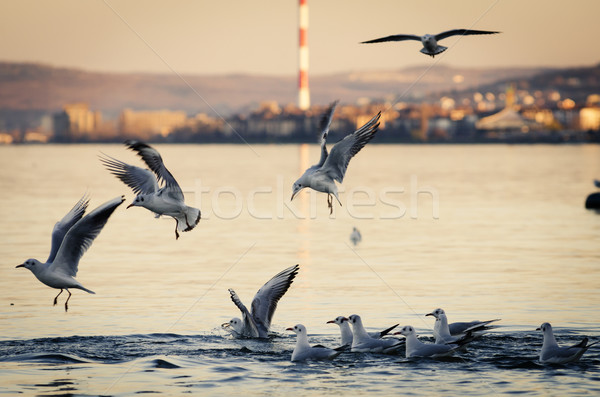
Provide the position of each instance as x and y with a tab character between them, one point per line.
481	231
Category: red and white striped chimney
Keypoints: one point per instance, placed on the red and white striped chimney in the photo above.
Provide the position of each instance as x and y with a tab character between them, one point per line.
303	93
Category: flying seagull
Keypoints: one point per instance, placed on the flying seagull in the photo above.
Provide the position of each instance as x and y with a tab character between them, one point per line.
355	236
167	200
430	41
71	237
332	166
256	324
551	353
304	351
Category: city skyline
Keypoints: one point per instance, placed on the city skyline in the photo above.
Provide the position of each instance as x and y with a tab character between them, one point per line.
261	37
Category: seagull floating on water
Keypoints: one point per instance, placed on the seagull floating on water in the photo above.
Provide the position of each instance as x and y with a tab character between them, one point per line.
456	332
256	324
416	348
346	331
332	166
71	237
304	351
363	342
430	41
551	353
355	236
167	200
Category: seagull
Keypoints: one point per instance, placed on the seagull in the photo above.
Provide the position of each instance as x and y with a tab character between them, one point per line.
71	237
416	348
363	342
429	41
304	351
553	354
332	167
455	332
355	236
167	200
257	323
347	335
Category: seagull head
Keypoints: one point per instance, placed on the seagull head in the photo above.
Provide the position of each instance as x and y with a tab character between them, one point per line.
299	329
235	324
354	319
32	264
545	327
406	331
140	201
339	320
437	313
297	187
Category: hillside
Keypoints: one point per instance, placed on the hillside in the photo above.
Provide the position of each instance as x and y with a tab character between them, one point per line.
37	87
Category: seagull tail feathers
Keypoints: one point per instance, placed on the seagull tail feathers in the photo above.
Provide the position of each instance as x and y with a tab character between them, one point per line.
189	219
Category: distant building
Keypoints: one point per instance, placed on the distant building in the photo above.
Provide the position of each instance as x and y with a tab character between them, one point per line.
75	122
589	118
147	124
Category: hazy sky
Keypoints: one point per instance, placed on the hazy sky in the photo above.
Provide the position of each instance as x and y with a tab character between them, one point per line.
261	36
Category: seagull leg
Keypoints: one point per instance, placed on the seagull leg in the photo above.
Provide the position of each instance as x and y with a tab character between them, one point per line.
330	203
56	297
176	233
67	302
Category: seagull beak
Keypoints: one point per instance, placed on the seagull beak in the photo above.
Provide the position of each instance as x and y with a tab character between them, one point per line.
331	322
225	325
537	329
289	329
21	265
429	314
294	194
130	205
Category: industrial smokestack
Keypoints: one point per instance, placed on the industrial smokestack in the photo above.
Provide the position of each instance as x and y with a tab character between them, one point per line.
303	93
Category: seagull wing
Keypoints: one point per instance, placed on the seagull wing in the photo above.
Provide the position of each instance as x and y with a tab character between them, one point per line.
152	158
266	299
62	227
141	180
80	237
461	32
386	331
250	328
337	162
324	127
395	37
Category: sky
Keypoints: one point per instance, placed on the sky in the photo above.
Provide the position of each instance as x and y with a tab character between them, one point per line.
261	36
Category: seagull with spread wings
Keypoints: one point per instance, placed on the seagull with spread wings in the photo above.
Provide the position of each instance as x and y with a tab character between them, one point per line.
256	324
167	200
430	41
332	166
71	237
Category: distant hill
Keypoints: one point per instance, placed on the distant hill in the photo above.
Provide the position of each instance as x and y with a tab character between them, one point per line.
37	87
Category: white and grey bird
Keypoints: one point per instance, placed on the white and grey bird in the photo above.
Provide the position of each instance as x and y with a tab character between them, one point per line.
346	331
551	353
362	342
430	41
304	351
71	237
458	332
355	236
416	348
256	323
167	200
332	166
